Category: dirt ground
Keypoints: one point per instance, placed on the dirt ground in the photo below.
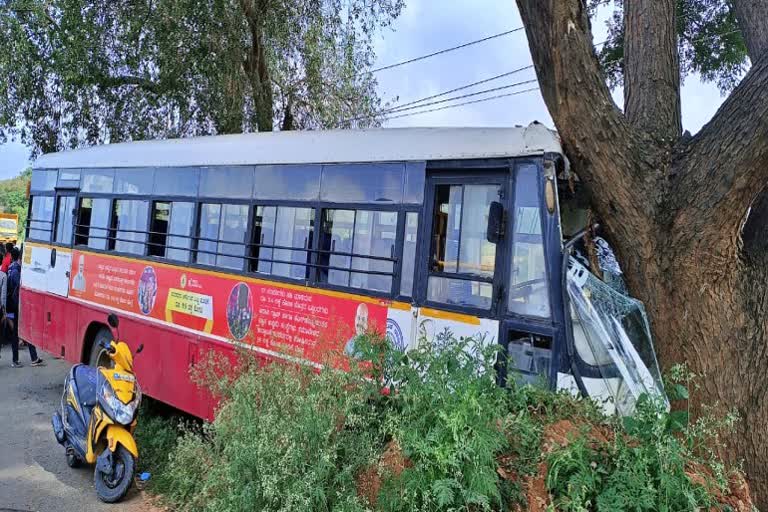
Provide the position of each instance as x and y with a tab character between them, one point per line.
34	475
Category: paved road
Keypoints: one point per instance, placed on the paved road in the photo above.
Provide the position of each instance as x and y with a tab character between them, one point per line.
34	475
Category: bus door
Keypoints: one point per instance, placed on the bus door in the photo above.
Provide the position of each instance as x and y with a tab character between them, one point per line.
461	282
60	264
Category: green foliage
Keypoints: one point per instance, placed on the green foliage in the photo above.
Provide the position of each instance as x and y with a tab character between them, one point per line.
710	43
288	438
651	464
13	198
447	417
76	73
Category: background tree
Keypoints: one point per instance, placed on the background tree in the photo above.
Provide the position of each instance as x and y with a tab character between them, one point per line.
78	73
685	213
13	198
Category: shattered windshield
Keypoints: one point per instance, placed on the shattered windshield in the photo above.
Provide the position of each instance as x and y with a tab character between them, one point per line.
613	337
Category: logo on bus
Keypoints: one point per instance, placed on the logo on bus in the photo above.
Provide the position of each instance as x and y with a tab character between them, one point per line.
395	334
183	281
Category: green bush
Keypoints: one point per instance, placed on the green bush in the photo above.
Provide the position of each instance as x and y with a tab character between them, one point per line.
289	438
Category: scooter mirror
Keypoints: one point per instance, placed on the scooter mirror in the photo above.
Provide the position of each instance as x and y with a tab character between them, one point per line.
113	321
141	347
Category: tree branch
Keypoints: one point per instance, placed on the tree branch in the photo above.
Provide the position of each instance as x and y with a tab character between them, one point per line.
608	154
652	68
725	167
753	21
752	16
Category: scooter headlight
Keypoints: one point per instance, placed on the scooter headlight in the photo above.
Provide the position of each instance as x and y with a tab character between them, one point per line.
117	410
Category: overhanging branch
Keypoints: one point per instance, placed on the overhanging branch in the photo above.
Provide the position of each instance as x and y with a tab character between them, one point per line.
726	165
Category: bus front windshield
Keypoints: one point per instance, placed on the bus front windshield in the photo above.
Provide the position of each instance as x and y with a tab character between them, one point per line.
7	225
528	286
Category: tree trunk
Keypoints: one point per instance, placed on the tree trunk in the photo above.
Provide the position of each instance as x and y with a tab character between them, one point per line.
256	67
674	210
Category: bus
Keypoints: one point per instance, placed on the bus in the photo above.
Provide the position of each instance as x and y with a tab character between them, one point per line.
9	230
288	243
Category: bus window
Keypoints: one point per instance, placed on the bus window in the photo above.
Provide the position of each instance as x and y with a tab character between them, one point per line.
134	181
222	235
180	231
43	180
169	219
41	218
129	226
280	234
460	246
362	183
98	181
64	213
92	223
208	233
176	181
409	254
362	241
528	287
234	222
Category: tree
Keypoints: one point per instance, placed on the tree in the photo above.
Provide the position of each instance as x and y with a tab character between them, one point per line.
13	198
78	73
685	213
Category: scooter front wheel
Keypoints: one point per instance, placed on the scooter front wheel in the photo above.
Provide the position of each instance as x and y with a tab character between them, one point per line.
113	487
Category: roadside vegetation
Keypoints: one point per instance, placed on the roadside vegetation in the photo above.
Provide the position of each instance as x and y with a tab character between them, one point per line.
441	436
13	198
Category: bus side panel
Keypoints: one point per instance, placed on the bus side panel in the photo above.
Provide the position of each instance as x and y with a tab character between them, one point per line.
60	330
31	316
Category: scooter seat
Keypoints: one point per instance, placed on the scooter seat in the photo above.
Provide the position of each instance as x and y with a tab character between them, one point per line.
85	379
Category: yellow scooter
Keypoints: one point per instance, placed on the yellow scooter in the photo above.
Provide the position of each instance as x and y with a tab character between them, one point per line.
98	417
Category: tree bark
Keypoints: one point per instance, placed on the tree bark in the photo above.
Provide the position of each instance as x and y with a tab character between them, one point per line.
674	210
753	23
256	67
652	86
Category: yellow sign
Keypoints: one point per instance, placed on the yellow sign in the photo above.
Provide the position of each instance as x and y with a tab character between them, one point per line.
190	303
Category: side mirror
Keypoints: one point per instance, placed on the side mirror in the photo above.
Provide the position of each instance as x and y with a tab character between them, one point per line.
141	347
495	229
113	321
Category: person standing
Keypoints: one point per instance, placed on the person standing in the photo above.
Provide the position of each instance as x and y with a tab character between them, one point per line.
6	260
13	291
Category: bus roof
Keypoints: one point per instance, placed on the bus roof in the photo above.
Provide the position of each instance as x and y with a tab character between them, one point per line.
304	147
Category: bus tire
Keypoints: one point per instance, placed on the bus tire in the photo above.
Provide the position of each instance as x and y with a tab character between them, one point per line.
98	355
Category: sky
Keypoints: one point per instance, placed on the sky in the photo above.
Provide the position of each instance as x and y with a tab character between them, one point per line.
426	26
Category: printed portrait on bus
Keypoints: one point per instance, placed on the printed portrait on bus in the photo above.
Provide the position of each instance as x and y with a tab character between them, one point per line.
239	311
361	327
78	283
147	290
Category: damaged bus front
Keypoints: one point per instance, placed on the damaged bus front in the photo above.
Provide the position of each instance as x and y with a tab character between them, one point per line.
565	326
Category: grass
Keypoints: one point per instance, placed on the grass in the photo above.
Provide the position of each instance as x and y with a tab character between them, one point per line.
444	438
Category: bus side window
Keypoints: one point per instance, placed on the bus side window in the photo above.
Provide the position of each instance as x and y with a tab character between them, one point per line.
358	249
129	226
41	218
282	238
171	230
409	254
92	223
222	235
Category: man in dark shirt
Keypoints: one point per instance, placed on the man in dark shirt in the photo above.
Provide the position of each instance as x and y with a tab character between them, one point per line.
12	314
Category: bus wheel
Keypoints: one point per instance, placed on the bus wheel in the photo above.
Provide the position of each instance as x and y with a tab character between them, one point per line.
99	356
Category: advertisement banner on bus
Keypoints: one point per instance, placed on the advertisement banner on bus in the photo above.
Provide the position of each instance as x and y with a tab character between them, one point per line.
288	319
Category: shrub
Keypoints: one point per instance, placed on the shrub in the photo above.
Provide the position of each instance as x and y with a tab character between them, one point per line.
444	438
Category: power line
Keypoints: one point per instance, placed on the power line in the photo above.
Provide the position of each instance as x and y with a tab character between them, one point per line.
465	103
397	110
446	50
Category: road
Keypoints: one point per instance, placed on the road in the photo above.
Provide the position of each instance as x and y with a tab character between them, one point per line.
34	476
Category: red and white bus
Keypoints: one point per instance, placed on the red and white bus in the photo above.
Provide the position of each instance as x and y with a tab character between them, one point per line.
285	242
